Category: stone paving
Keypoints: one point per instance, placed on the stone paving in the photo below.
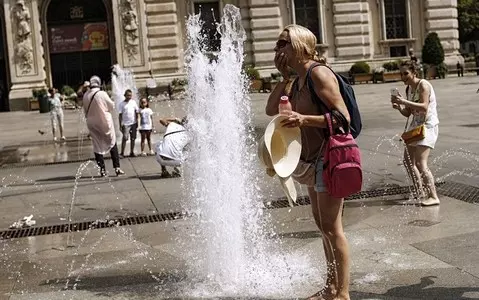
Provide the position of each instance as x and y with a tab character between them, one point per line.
399	250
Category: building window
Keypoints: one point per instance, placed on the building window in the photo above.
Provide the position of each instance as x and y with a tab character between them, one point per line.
396	19
397	51
210	15
308	14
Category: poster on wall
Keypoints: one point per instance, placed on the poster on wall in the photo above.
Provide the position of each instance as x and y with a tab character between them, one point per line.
78	37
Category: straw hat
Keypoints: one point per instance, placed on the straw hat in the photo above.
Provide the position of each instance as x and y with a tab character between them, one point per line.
279	150
284	146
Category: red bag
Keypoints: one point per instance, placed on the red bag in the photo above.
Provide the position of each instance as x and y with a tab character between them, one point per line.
342	173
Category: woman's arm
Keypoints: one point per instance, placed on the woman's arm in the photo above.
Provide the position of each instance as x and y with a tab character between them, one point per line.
327	88
422	105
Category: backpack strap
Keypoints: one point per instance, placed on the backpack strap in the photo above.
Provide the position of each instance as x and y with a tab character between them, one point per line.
316	99
89	104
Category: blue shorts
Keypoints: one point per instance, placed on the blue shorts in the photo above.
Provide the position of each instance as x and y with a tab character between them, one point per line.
319	186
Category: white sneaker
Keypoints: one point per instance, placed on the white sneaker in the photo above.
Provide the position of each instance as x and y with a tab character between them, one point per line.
143	154
63	138
152	153
55	139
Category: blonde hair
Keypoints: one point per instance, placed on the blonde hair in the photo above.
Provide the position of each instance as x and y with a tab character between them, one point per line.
303	42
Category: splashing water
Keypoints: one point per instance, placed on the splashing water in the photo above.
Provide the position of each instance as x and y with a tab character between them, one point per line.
122	80
230	240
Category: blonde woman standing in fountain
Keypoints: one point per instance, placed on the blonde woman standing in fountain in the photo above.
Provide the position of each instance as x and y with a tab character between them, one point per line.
295	48
420	104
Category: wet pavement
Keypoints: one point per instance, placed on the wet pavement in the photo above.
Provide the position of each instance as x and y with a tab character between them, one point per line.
399	250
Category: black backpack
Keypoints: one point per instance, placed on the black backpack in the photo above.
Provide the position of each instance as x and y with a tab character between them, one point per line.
348	95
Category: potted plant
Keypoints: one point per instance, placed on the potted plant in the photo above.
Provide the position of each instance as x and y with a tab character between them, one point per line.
179	84
256	83
432	54
40	100
271	82
361	72
391	71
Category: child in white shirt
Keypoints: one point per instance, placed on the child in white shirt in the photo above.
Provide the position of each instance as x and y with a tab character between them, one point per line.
146	125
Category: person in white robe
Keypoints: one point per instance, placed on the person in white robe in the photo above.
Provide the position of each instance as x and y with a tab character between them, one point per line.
99	109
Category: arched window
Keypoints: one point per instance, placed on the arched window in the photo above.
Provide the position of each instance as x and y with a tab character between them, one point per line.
396	19
307	13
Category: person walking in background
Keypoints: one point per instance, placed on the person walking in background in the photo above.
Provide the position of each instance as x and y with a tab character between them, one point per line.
420	103
128	122
146	125
460	70
295	49
56	112
98	109
170	151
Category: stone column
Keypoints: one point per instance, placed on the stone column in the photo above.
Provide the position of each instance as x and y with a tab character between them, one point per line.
25	52
164	38
351	29
441	17
129	17
265	27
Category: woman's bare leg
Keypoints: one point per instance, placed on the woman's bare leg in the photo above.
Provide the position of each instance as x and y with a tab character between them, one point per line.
422	156
330	210
412	170
331	277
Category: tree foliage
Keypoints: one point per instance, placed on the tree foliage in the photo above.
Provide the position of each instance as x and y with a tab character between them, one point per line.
432	51
468	16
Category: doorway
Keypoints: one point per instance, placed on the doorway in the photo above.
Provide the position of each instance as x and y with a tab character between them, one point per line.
79	41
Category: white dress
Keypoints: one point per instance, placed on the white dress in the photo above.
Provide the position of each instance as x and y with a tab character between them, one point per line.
99	120
430	119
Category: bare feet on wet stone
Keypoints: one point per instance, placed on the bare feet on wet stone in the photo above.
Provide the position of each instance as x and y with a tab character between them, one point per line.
323	294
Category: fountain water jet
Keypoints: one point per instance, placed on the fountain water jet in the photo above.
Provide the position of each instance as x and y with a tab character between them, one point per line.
231	245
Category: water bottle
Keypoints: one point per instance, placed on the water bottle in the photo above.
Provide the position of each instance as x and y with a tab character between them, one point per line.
284	106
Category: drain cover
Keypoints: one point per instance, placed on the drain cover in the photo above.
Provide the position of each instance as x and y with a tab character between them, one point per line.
422	223
82	226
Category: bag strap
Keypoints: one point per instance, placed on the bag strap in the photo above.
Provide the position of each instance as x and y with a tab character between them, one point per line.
89	104
412	98
316	99
173	132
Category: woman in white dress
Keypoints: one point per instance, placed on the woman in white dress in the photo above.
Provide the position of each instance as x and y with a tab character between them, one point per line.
420	104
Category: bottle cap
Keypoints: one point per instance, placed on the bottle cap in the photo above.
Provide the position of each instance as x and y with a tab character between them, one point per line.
284	98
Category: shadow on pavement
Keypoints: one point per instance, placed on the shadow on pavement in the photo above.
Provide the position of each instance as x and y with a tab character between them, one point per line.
421	290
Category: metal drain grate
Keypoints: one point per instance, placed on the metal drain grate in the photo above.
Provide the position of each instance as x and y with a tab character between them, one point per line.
382	192
82	226
459	191
422	223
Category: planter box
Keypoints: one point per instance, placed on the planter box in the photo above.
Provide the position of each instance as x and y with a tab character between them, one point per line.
363	78
34	105
256	85
268	86
391	76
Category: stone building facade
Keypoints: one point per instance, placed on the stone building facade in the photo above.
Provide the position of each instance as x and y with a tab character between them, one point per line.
57	42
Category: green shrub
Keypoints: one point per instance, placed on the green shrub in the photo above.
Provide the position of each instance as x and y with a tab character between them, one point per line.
360	67
441	70
39	93
432	51
179	82
67	90
251	72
